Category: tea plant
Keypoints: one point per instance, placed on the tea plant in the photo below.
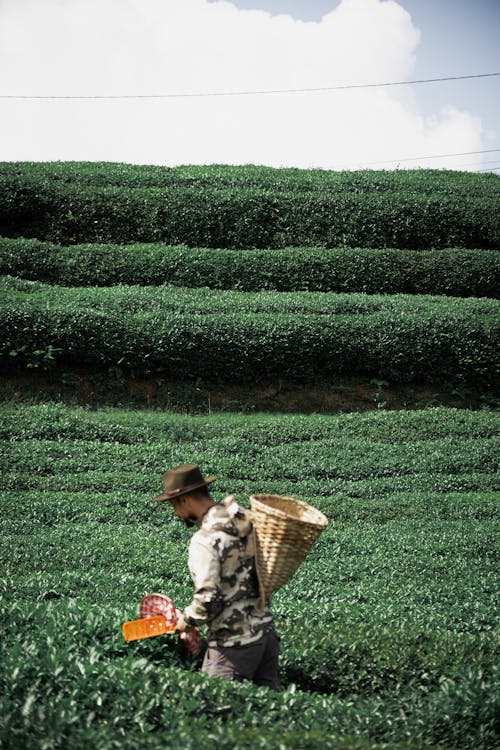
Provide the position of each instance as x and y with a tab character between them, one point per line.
389	628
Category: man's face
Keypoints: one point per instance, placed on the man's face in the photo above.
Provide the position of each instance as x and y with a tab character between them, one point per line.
183	510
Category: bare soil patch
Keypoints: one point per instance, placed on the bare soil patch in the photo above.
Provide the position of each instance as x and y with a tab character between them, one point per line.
114	388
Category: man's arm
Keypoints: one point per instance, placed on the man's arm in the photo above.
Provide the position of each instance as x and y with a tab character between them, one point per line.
204	565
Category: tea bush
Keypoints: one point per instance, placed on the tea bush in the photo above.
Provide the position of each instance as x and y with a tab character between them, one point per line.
245	207
454	272
242	336
389	628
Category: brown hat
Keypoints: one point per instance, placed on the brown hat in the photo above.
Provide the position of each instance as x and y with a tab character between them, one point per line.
182	479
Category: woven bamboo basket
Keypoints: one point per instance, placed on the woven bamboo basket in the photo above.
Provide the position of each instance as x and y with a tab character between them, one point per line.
285	530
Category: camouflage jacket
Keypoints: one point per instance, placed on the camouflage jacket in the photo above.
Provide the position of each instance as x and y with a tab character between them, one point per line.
222	565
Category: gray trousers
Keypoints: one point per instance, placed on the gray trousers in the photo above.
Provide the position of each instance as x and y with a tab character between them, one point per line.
256	661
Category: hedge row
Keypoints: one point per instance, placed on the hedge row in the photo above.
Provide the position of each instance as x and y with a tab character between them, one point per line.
111	174
245	215
453	272
50	421
237	336
471	458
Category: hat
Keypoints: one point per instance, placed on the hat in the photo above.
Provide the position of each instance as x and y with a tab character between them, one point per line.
181	480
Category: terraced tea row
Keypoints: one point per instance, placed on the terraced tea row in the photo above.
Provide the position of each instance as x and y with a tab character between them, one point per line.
454	272
109	174
238	336
243	207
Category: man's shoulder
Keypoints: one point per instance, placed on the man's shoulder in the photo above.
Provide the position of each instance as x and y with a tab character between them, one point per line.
208	536
225	525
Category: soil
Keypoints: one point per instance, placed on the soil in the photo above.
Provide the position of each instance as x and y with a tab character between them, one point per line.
115	388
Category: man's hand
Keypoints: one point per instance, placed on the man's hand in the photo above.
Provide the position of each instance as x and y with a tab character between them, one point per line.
182	626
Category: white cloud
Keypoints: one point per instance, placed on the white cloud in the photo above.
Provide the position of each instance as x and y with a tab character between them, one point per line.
89	47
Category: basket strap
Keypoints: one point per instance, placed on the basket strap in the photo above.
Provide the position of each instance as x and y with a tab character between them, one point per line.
262	593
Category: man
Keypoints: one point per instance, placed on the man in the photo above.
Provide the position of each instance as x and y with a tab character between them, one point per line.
242	641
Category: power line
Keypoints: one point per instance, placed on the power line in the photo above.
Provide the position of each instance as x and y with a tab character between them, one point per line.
433	156
342	87
471	164
462	167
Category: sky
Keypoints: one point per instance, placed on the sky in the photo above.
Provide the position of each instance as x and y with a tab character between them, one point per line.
207	58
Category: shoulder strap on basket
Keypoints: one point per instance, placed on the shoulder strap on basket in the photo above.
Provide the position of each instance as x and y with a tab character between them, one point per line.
263	600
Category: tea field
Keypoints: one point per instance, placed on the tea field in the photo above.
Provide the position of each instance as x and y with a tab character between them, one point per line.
248	279
389	628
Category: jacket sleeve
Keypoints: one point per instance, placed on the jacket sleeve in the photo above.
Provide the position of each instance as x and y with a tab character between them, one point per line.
205	569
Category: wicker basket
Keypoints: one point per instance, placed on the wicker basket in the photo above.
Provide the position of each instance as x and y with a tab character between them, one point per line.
285	530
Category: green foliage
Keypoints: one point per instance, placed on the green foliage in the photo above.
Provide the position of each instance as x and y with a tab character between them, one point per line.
245	207
242	336
454	272
389	627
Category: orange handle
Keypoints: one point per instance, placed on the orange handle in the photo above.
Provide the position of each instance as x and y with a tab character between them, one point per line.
147	627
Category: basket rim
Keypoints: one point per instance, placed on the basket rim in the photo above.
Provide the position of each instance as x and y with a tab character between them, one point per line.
320	519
